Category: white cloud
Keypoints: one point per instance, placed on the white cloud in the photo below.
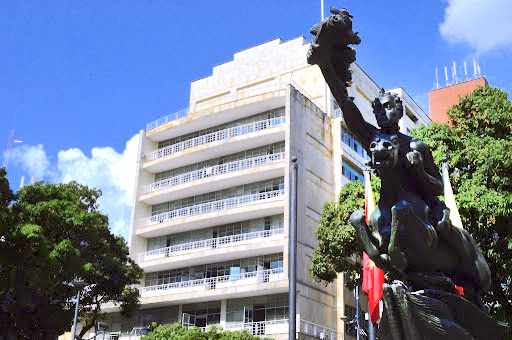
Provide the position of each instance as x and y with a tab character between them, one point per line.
483	24
105	169
32	160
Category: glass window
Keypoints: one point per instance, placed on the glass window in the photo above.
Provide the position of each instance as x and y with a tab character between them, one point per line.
353	143
349	172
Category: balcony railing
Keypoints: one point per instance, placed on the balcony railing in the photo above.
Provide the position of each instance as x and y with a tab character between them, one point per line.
317	331
225	281
212	171
167	119
215	136
205	244
261	327
118	336
209	207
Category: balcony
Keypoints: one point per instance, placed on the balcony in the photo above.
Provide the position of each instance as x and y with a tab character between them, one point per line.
215	110
215	249
261	327
316	331
213	213
219	143
219	282
222	175
167	119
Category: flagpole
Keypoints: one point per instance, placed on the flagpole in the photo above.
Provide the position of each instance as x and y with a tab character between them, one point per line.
357	309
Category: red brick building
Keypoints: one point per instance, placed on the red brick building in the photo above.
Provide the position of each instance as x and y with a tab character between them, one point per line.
442	99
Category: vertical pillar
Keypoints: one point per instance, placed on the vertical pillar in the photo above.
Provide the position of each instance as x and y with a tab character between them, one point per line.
292	252
340	303
223	310
180	313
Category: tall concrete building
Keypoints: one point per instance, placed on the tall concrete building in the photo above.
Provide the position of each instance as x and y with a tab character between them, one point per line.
211	210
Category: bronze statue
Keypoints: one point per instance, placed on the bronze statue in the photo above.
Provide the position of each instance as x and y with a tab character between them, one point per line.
410	229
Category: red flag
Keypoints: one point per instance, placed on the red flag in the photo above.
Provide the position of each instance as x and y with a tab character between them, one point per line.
373	276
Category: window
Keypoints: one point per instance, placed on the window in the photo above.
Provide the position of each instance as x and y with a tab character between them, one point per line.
351	173
202	314
258	308
353	143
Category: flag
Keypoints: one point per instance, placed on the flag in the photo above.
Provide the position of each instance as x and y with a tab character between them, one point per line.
373	276
449	200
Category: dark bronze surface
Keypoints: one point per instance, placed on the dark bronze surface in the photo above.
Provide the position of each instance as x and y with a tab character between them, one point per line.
410	229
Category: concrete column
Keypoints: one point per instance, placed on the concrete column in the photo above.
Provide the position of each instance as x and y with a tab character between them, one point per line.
180	312
340	303
223	309
337	152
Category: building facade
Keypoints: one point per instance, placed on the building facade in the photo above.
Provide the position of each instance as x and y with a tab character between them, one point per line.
211	211
442	99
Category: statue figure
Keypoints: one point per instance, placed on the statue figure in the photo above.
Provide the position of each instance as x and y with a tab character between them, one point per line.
410	229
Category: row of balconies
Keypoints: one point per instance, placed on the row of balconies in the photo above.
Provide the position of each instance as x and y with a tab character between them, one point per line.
212	243
218	177
209	207
215	136
212	171
218	282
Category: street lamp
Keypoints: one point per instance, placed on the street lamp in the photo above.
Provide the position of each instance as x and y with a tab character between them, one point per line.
350	321
80	285
103	326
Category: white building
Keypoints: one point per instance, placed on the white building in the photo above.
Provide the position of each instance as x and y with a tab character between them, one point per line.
210	217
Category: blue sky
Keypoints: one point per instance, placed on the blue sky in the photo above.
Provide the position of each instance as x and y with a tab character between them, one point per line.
79	79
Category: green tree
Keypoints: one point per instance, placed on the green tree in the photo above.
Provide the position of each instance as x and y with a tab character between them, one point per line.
179	332
478	146
338	248
53	234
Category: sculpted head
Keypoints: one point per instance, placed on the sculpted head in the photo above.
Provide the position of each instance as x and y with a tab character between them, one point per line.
384	151
388	110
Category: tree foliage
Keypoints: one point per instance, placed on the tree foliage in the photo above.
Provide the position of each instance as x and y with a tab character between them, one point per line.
478	147
179	332
53	234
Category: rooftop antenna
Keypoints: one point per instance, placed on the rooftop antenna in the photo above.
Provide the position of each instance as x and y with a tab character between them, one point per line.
465	71
454	73
446	75
12	141
437	80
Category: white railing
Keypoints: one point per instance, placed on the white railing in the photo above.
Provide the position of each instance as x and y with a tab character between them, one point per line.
317	331
261	327
226	281
167	119
206	244
212	171
215	136
118	336
204	208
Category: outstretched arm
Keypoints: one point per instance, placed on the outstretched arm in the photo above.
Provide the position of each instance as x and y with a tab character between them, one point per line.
330	51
